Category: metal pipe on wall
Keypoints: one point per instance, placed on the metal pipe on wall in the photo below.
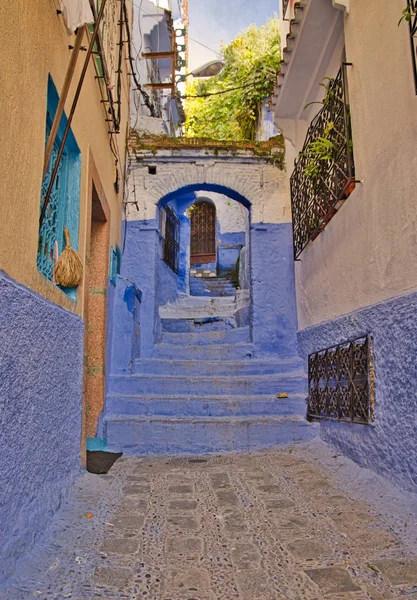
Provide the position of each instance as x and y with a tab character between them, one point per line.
71	114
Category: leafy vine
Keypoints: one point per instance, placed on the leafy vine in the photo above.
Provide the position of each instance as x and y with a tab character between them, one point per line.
252	62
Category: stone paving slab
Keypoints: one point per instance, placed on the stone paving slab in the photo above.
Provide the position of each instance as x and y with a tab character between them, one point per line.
295	524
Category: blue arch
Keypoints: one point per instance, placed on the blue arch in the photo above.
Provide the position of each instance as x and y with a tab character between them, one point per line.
206	187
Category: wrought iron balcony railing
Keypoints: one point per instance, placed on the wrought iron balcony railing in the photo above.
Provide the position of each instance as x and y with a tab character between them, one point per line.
284	7
341	382
412	8
324	173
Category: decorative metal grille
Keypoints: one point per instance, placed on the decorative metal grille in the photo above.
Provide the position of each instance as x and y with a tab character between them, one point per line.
341	382
412	6
203	232
320	184
48	234
284	8
170	244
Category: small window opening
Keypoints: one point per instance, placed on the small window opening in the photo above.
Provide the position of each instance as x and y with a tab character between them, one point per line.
152	170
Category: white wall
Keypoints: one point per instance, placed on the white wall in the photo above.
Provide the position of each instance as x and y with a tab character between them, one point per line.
368	251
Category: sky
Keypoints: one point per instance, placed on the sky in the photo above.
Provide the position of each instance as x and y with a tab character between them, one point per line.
216	21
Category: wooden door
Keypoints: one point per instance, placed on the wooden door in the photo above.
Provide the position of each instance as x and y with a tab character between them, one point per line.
203	233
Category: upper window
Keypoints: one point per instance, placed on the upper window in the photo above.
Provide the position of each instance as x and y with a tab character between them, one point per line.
170	232
63	208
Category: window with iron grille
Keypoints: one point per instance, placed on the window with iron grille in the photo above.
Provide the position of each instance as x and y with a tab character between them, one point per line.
284	9
324	173
412	23
64	205
170	231
341	382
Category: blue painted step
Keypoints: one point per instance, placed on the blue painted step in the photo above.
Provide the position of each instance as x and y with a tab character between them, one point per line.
200	386
214	286
203	435
207	406
233	336
204	352
198	325
163	367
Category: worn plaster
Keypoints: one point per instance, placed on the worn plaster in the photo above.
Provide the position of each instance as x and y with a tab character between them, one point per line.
388	446
41	361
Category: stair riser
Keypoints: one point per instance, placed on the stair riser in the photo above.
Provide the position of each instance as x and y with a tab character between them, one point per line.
220	407
234	336
198	313
190	326
203	353
206	294
198	386
204	283
215	368
196	437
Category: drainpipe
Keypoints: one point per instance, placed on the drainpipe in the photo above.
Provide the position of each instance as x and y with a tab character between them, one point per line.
71	114
63	98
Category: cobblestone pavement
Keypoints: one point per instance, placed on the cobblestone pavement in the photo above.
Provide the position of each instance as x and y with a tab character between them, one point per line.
300	523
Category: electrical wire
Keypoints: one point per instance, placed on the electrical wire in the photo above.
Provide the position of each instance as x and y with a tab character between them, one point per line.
240	87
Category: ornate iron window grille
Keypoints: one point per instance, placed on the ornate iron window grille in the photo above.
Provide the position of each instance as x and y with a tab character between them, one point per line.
341	382
171	239
64	204
51	226
412	5
319	185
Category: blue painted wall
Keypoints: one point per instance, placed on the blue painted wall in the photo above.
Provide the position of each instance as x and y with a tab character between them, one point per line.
139	267
274	316
123	326
229	248
143	266
389	446
41	361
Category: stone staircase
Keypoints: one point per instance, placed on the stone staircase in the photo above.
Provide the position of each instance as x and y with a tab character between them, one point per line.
212	286
204	390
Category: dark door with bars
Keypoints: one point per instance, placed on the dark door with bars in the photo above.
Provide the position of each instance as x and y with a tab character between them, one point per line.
203	233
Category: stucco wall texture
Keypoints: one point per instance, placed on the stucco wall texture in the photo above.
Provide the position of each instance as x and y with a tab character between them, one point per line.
262	184
40	414
367	252
389	445
38	46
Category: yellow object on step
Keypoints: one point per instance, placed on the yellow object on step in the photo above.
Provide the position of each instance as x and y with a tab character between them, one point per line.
282	395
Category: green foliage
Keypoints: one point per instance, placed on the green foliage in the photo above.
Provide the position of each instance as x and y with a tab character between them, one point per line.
252	61
318	153
408	13
329	97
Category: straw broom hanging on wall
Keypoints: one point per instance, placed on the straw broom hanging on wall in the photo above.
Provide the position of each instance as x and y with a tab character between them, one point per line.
68	270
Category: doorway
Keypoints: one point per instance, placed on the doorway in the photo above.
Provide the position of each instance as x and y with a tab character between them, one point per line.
203	233
95	313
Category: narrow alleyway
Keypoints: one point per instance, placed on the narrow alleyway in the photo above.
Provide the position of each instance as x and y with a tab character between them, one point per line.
299	523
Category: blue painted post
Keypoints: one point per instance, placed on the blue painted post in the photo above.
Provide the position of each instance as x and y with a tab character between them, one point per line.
274	315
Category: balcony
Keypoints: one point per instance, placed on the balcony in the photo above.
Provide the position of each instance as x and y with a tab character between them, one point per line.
284	8
324	173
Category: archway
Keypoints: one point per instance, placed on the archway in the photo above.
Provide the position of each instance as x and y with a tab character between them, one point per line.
262	247
203	232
